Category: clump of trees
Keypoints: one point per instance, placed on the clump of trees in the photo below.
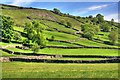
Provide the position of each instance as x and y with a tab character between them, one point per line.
7	30
89	30
105	27
57	11
35	33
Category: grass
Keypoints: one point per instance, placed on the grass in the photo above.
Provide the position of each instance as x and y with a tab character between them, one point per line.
58	26
20	16
20	50
8	44
21	29
52	70
82	51
102	52
60	36
87	42
53	43
5	54
102	36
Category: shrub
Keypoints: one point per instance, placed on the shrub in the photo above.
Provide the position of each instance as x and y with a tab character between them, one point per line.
113	36
35	48
69	24
52	38
89	30
89	35
105	27
17	36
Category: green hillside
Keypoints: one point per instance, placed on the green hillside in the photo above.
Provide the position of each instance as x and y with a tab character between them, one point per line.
50	36
64	28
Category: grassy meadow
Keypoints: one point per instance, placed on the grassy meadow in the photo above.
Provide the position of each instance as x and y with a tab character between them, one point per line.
46	70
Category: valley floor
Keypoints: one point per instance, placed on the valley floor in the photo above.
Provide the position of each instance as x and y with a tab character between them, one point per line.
53	70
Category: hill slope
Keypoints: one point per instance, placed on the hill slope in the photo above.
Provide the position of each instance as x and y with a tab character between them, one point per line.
56	25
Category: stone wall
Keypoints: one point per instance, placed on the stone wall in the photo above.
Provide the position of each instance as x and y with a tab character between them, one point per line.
4	59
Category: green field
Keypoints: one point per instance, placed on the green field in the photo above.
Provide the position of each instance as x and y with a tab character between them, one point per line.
5	54
46	70
2	44
102	52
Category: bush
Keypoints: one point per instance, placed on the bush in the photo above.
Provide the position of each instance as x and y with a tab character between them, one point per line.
35	48
26	41
52	38
89	35
105	27
113	36
57	11
69	24
17	36
89	30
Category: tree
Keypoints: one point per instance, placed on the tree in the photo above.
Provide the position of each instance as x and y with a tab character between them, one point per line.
94	20
89	27
17	36
29	29
35	48
62	22
100	18
113	36
69	24
105	27
112	22
96	29
7	27
39	39
57	11
52	38
35	33
26	41
90	16
89	30
89	35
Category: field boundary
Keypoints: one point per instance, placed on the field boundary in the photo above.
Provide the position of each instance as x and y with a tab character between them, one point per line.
27	59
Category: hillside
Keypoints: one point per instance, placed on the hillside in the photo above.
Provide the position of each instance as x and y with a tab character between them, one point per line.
56	24
89	45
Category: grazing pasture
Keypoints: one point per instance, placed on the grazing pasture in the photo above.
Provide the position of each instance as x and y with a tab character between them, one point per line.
52	70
